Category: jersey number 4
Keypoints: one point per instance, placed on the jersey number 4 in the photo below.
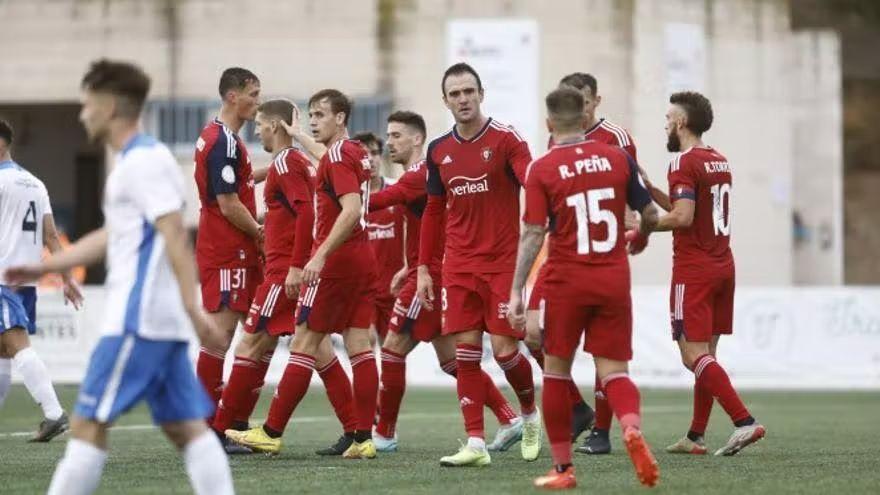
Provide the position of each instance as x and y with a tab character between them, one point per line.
587	210
29	224
720	214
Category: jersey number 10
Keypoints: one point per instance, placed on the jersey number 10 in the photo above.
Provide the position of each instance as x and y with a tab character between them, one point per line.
587	210
720	214
29	224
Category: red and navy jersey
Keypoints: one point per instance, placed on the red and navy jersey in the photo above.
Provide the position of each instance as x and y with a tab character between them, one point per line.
222	166
609	133
385	229
344	169
410	191
581	191
479	180
702	175
290	187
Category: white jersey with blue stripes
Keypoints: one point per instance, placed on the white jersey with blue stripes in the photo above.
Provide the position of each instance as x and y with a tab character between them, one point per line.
24	202
143	297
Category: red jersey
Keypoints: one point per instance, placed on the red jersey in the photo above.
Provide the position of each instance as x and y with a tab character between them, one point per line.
223	167
290	196
344	169
702	175
385	232
609	133
581	190
479	180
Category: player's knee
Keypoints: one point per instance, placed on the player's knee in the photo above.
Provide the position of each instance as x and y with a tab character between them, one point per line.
306	341
397	343
357	341
15	340
504	346
254	346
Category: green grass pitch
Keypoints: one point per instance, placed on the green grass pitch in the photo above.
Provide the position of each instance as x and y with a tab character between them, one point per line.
816	443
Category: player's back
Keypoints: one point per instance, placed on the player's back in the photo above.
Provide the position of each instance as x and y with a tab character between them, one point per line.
704	175
23	203
291	175
222	166
143	297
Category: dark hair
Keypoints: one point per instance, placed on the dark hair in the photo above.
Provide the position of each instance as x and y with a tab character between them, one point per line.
126	81
581	80
339	103
235	78
565	107
6	132
458	69
368	138
410	119
280	108
697	108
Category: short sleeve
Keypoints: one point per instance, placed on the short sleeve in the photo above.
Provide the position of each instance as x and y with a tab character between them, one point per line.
222	163
295	180
537	208
518	155
682	180
156	182
45	203
345	175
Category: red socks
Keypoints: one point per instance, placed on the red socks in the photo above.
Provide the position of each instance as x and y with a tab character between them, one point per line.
623	396
338	388
290	391
495	400
391	392
366	389
712	377
603	409
518	371
245	375
209	368
471	387
557	416
250	402
703	402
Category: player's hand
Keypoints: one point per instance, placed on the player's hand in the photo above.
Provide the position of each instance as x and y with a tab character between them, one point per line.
23	274
209	334
532	339
72	293
293	282
636	242
312	270
516	311
425	288
397	281
293	128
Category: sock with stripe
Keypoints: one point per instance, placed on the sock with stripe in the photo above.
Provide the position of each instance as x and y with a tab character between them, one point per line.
36	380
557	416
246	374
365	380
538	354
518	371
471	388
290	391
603	409
248	406
703	402
391	392
712	377
495	400
338	388
209	369
624	399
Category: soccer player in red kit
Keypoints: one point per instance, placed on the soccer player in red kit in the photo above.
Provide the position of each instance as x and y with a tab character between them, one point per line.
410	323
578	191
385	232
603	131
474	175
703	275
227	244
289	195
338	283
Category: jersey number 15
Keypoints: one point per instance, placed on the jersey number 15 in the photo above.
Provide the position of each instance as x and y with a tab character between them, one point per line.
587	210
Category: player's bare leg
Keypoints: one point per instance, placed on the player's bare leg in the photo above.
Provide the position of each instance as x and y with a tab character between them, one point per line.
518	372
624	399
365	382
209	366
582	413
16	344
712	377
471	398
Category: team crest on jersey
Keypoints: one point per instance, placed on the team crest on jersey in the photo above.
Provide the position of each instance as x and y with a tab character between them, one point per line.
241	254
486	153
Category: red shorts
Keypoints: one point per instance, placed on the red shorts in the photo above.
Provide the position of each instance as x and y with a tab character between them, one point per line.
384	307
332	305
271	310
537	293
477	301
600	310
233	287
702	308
411	318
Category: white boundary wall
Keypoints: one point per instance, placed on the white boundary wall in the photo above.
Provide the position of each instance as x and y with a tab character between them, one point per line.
792	338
